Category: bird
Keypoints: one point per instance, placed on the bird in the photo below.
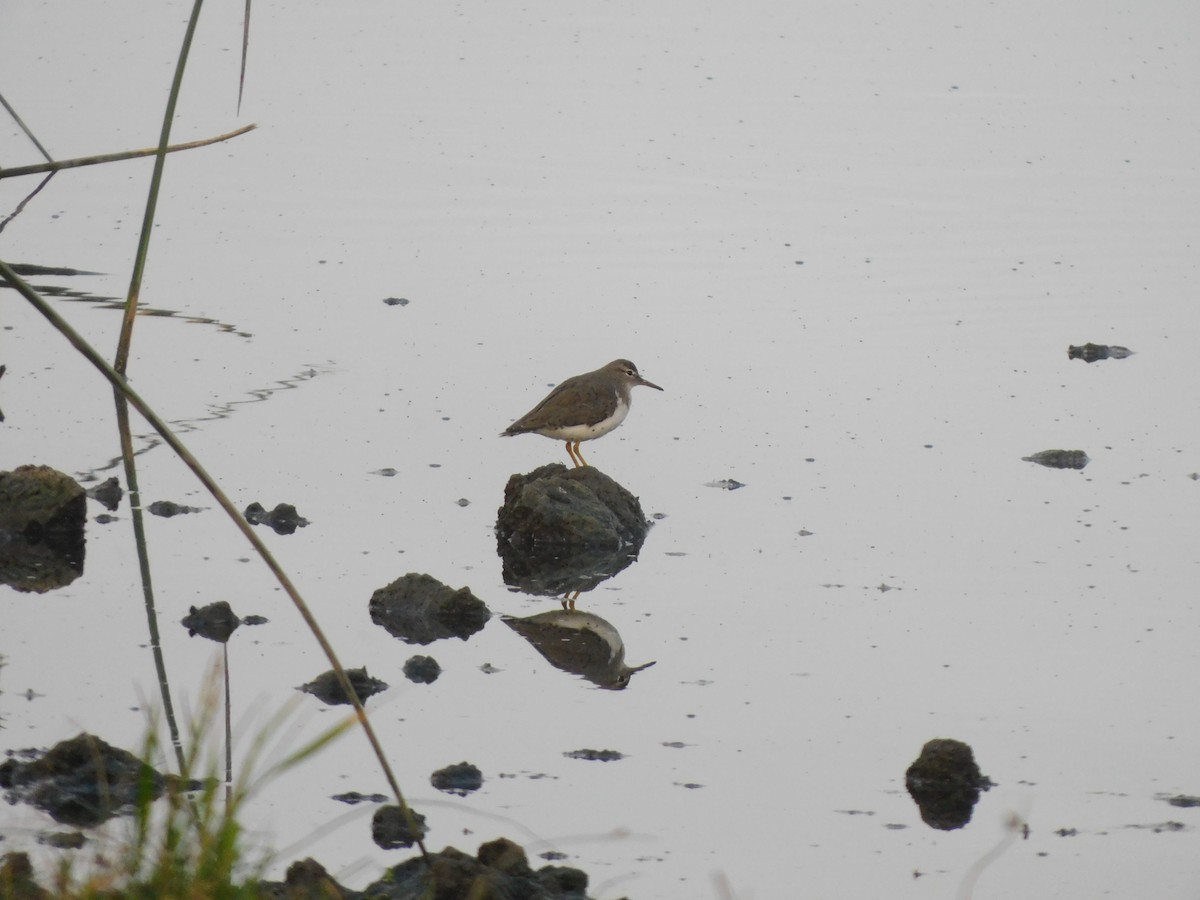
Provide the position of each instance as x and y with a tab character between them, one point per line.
584	407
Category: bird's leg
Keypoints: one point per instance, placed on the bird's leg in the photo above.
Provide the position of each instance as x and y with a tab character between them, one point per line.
579	453
571	453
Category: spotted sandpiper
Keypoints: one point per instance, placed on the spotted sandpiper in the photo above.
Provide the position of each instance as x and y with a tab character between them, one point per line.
583	407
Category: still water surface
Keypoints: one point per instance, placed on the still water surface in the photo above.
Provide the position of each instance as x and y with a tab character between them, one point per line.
852	242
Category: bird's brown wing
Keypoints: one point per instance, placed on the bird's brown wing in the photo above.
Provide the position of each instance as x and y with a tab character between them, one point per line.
571	395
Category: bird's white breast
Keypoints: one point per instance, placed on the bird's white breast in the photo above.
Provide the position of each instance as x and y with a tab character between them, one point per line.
587	432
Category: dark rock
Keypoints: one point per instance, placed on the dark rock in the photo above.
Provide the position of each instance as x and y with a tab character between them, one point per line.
563	880
500	872
1093	352
422	670
216	622
82	782
283	519
327	687
461	778
391	828
34	500
945	783
107	493
569	509
396	301
306	879
419	609
566	530
42	518
1059	459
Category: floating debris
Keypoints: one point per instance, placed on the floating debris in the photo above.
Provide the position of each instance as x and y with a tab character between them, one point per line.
283	518
396	301
1059	459
168	508
351	798
725	484
1094	352
595	755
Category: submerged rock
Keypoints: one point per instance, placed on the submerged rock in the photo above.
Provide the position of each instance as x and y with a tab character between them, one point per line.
327	687
419	609
1059	459
945	782
1093	352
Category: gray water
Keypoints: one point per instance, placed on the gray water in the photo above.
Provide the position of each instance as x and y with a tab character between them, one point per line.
852	242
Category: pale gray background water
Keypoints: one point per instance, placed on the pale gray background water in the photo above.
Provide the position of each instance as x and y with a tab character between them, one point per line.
853	243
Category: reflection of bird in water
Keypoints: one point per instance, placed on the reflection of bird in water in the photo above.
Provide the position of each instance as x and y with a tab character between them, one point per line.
584	407
580	643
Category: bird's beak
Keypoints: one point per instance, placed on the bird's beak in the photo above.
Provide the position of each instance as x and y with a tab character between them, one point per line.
642	380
